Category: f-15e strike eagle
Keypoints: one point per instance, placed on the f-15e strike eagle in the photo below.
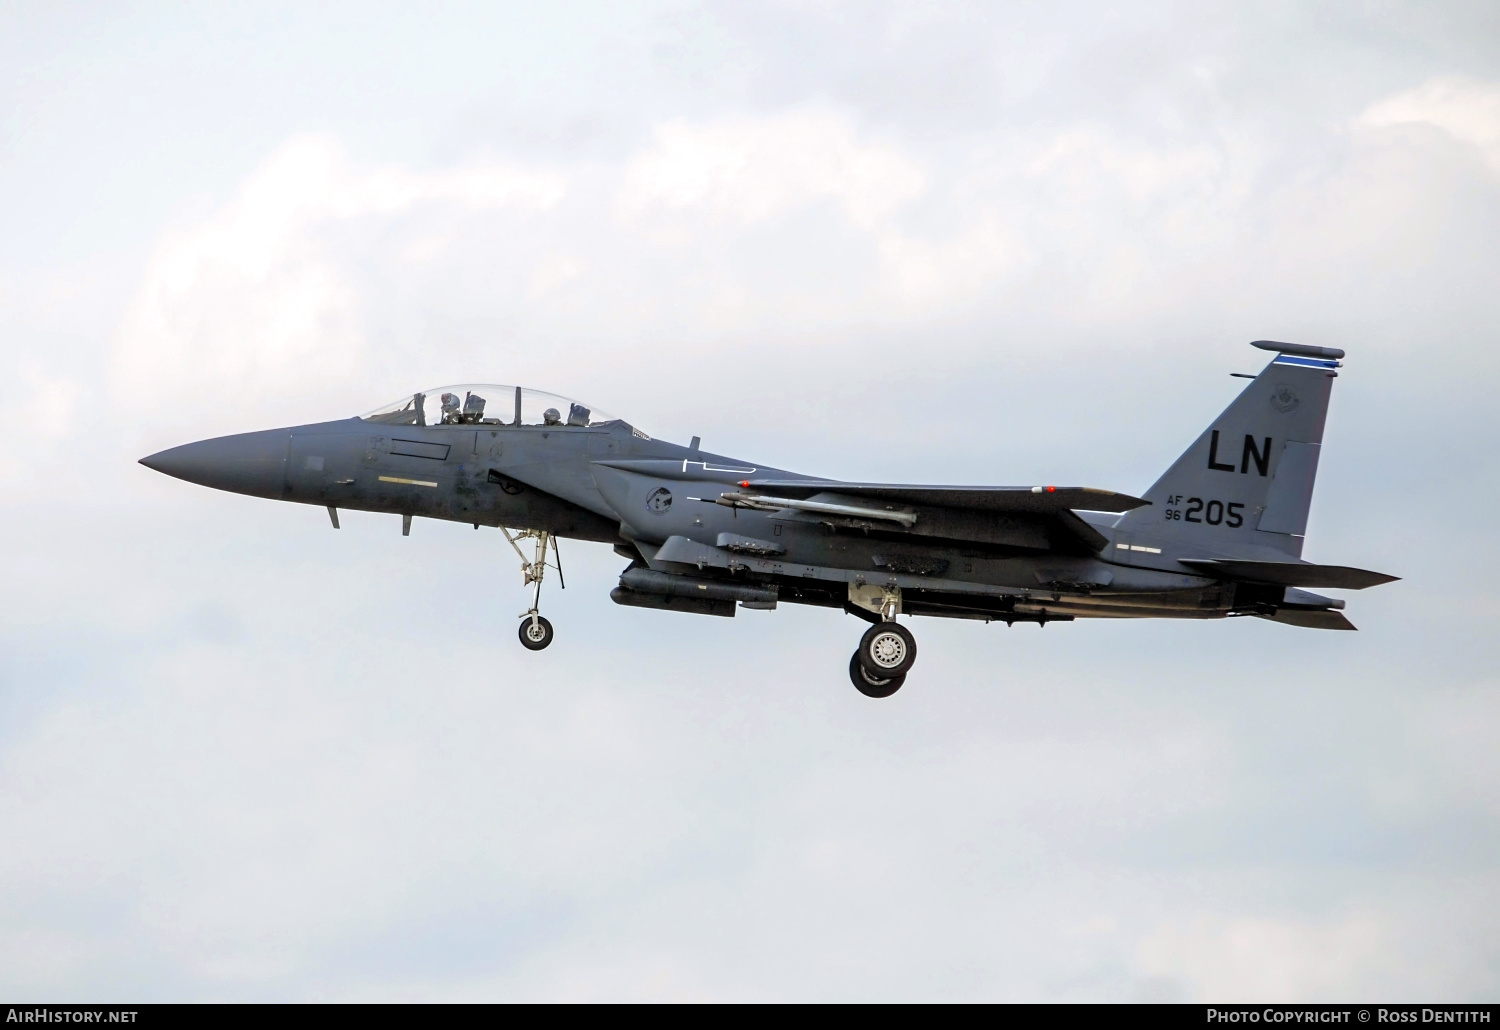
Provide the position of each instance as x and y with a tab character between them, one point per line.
1219	534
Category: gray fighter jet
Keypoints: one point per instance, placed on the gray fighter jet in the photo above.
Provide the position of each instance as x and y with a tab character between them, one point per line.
1219	534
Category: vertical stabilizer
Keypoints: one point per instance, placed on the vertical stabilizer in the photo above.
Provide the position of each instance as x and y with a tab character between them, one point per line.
1246	484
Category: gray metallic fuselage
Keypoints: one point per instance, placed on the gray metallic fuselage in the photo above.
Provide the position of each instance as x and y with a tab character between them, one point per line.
657	503
1219	533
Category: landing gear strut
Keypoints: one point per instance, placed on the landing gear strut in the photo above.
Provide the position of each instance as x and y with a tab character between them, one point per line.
535	631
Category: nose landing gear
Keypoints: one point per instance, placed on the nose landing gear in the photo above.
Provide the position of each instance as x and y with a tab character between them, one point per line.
535	631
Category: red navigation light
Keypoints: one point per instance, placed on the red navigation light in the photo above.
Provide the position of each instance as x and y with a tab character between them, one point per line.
744	482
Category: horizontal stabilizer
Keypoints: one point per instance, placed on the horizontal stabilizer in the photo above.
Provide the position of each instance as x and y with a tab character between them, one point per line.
1037	499
1290	574
1311	619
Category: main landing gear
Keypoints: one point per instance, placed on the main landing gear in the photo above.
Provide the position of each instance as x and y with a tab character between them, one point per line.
535	631
887	651
872	686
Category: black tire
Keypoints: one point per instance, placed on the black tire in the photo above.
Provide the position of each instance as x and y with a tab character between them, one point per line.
872	686
534	638
887	649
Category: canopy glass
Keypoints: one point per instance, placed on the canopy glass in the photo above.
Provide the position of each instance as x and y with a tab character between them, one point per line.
486	404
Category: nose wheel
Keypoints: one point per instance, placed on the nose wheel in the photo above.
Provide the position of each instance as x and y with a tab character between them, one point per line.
535	632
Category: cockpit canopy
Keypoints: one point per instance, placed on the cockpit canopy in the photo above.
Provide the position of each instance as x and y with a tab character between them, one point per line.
486	404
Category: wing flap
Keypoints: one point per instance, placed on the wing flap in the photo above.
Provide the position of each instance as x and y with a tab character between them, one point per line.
1041	500
1092	539
1290	574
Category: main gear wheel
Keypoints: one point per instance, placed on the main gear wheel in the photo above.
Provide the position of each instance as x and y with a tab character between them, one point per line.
887	649
872	686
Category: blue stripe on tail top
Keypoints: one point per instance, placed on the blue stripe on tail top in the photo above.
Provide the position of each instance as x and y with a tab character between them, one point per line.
1288	359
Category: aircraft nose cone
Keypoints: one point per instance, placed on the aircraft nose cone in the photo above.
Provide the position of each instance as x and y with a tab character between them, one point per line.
248	463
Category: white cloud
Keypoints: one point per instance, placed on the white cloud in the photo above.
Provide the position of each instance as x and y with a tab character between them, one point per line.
262	294
43	402
321	765
321	270
933	272
1258	959
1465	108
747	169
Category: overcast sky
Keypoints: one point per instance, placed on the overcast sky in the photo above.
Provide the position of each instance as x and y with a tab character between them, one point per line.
243	756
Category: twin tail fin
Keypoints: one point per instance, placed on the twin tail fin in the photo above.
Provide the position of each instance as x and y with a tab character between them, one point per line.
1244	487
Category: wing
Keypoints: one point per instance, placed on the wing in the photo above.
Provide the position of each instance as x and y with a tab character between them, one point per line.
1039	500
1031	517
